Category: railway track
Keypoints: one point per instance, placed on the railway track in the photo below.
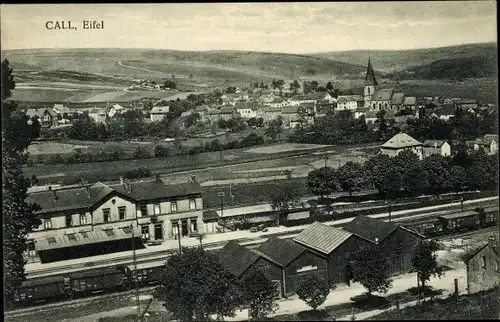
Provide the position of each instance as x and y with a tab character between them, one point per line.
407	217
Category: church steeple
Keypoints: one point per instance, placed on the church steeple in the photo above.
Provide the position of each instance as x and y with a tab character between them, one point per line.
370	75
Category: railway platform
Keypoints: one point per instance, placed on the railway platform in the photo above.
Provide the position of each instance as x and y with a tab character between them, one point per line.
210	242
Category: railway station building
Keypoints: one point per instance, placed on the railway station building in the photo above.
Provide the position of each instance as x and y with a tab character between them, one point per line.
99	219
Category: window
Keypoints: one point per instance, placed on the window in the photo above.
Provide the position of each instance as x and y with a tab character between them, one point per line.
72	237
51	240
109	232
69	222
85	235
127	230
105	213
192	204
173	206
145	232
47	224
144	210
83	219
157	209
484	262
121	212
31	248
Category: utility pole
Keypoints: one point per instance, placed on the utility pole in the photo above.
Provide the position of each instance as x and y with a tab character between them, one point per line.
179	238
135	275
221	195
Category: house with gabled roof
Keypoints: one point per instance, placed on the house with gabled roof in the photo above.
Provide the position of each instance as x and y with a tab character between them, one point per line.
439	147
350	102
287	263
488	143
157	210
397	101
98	115
399	143
335	245
394	241
483	267
247	110
158	113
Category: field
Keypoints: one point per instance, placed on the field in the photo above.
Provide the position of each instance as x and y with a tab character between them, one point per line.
284	148
43	148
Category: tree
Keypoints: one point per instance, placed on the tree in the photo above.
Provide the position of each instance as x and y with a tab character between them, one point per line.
282	199
160	151
458	177
195	286
392	183
329	86
170	83
351	177
377	168
314	85
141	153
19	217
371	269
313	290
322	181
405	161
436	168
415	181
274	130
221	123
424	260
259	294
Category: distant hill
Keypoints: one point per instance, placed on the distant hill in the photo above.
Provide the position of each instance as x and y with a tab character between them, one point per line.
233	65
454	68
391	60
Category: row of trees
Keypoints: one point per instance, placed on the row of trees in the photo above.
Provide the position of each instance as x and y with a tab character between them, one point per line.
195	286
405	173
116	153
19	217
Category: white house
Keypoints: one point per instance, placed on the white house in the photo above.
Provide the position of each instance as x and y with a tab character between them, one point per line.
431	147
401	142
277	102
350	102
115	109
247	110
158	113
98	114
489	144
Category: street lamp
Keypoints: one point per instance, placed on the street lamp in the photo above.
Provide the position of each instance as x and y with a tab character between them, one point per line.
389	204
221	195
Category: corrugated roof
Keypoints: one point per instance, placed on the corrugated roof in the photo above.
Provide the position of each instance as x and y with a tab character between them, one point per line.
280	251
400	140
322	238
383	94
236	259
95	236
370	228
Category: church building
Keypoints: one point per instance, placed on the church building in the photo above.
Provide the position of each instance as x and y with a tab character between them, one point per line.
377	99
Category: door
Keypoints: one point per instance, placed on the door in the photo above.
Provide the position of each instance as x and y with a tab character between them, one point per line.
348	274
158	231
185	228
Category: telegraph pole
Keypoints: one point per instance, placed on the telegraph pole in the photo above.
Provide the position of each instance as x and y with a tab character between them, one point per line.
221	195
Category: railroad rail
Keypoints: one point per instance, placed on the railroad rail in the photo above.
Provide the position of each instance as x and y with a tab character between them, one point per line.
401	216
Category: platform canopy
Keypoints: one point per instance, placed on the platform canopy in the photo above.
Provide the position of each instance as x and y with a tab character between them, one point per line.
86	238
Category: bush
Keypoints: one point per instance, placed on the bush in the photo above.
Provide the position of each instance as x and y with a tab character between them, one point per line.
313	290
313	315
160	151
369	301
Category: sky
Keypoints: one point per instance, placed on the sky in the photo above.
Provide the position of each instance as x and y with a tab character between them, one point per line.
273	27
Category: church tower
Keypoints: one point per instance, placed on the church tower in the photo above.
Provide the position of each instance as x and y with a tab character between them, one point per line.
370	84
